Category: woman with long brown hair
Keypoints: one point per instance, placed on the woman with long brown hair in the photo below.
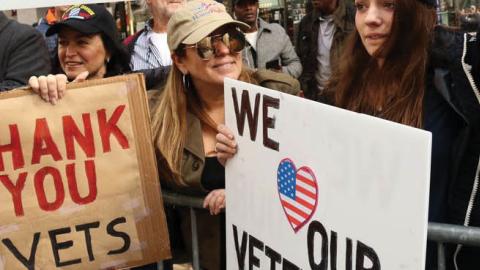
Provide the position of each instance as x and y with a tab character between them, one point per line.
384	68
387	70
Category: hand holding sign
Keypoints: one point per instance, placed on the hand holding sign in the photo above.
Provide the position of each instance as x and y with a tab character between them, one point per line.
52	87
226	147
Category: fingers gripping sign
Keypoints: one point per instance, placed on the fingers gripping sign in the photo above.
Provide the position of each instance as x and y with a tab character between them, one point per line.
226	146
51	88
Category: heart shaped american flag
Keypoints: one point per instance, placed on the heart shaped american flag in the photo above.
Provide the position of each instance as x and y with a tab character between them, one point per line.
298	193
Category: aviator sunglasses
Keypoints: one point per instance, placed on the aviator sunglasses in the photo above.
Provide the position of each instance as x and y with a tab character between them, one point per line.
206	48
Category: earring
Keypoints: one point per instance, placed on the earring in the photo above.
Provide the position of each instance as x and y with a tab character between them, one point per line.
107	60
187	82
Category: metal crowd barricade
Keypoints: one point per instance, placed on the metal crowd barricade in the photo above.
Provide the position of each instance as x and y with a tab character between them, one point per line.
194	204
437	232
454	234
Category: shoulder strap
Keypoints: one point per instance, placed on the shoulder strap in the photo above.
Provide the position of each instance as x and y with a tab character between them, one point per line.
130	41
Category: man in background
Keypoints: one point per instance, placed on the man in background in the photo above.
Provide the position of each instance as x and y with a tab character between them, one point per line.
270	47
321	34
52	15
23	53
148	47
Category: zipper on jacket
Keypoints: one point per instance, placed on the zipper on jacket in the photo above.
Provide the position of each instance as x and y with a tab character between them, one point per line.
467	69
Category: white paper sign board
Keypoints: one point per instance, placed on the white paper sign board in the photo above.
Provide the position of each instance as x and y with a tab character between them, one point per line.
343	188
21	4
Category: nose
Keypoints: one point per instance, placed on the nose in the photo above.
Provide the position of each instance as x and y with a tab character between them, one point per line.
373	16
221	48
70	50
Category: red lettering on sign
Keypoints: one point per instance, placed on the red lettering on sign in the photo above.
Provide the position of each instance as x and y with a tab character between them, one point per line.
15	190
107	128
39	181
85	140
42	136
92	183
15	147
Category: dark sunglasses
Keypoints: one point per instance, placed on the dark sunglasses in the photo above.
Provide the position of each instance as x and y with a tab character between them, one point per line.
206	48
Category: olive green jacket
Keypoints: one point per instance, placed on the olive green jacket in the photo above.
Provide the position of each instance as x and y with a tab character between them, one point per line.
194	156
193	162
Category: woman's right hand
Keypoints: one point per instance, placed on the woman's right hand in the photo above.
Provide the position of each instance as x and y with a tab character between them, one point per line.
51	88
226	146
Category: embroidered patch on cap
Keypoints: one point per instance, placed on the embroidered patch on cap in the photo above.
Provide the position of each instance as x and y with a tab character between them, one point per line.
79	12
205	9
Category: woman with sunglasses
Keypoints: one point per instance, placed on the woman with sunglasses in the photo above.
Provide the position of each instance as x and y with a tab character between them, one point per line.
206	45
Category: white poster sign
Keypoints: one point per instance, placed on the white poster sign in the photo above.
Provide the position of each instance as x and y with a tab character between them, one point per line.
21	4
317	187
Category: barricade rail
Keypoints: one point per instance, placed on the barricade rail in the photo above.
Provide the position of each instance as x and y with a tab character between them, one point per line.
437	232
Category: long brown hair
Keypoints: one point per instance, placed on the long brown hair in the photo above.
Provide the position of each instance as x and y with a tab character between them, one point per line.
169	122
394	91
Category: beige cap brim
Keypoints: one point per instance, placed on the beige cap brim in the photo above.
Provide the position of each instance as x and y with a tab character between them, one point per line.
204	30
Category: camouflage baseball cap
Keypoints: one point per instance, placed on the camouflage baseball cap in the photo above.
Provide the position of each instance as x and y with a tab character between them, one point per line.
196	20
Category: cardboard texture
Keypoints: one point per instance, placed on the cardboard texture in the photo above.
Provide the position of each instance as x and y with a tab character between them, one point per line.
79	185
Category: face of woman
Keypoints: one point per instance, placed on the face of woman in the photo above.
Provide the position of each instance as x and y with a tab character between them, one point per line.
211	72
373	20
78	52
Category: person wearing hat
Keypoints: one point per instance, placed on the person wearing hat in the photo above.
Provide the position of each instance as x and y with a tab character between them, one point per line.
88	48
268	44
206	45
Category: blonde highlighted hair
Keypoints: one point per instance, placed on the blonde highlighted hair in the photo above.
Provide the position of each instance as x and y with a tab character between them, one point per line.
169	122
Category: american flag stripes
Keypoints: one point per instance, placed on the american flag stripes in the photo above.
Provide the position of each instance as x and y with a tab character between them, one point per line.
298	192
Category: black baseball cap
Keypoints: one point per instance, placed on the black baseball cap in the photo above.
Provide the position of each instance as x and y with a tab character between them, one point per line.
87	19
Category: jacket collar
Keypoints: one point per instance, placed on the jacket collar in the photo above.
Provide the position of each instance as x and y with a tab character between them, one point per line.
263	26
148	25
339	15
194	139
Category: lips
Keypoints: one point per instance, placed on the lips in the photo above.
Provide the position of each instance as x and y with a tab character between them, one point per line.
223	65
249	16
73	64
375	36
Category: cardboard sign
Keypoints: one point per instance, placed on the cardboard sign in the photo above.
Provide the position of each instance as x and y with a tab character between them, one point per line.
79	186
7	5
317	187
